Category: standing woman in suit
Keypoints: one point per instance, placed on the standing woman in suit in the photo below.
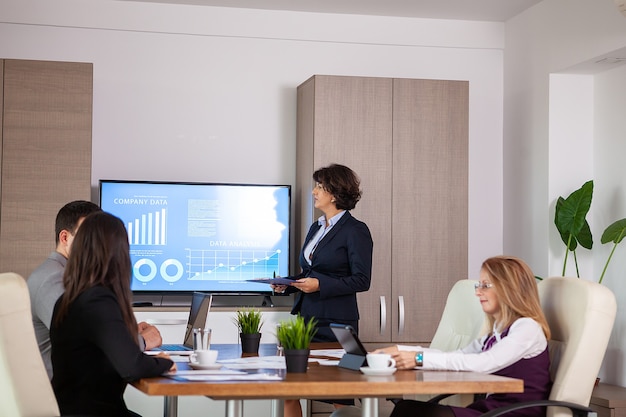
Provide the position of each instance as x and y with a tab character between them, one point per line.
336	259
95	348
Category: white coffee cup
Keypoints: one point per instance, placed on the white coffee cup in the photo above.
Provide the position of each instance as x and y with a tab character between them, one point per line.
380	360
203	357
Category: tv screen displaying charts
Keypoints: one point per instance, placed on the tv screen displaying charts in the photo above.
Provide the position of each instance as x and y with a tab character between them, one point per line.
187	237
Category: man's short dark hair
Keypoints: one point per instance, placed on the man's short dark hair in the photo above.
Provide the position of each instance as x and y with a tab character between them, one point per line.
71	213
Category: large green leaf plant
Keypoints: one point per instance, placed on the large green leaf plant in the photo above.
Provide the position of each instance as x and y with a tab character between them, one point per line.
571	222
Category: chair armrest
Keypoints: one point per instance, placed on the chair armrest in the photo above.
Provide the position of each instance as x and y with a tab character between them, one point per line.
434	399
439	397
577	409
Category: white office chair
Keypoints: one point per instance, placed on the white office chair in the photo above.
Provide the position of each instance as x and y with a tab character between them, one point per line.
25	389
461	322
462	319
581	315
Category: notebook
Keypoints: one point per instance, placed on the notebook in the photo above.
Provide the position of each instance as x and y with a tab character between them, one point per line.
200	307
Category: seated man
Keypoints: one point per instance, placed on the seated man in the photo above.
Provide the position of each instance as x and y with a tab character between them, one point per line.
45	284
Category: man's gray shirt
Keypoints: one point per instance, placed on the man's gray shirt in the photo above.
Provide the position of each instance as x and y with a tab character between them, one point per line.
45	286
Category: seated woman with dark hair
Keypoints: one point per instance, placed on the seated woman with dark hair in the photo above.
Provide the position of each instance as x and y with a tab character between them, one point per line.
95	349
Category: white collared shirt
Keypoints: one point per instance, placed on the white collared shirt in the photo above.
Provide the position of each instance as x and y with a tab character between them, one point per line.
323	230
524	340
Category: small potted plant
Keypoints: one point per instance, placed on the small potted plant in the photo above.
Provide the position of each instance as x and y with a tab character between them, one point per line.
295	337
249	322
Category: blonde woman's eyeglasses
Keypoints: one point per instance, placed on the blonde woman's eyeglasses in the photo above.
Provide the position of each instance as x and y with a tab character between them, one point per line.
482	286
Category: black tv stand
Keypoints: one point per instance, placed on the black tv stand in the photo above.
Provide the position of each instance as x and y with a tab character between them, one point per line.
219	300
267	301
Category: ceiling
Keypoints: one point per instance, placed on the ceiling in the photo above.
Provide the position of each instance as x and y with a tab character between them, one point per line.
481	10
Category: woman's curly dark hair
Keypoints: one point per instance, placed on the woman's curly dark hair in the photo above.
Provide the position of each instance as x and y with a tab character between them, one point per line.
342	183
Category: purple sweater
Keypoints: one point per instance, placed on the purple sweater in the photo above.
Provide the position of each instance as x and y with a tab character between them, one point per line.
537	384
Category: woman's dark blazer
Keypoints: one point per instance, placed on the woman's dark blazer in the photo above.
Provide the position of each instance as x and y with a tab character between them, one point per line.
342	262
94	356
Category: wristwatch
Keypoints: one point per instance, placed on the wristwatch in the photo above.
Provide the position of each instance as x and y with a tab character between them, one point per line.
419	358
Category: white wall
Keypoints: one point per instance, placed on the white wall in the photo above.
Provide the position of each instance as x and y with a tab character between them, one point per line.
549	49
571	121
209	94
610	204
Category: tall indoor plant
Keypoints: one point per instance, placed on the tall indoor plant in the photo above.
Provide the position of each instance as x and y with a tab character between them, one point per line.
249	322
571	222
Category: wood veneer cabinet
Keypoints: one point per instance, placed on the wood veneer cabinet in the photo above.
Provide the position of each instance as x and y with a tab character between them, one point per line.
408	141
45	161
608	400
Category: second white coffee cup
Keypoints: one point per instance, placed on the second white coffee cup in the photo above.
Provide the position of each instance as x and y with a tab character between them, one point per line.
380	361
203	357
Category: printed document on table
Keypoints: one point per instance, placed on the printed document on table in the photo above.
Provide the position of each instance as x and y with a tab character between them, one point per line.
331	353
255	362
222	375
231	377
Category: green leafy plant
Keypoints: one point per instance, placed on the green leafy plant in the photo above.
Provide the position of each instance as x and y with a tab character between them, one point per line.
571	222
249	320
570	218
297	333
614	233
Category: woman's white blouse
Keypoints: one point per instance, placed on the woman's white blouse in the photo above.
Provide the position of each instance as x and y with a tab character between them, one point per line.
524	340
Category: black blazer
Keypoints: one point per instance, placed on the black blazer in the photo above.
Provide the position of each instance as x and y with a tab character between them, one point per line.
342	262
94	356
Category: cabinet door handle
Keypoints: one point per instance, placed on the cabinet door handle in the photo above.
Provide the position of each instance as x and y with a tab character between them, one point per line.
400	314
383	315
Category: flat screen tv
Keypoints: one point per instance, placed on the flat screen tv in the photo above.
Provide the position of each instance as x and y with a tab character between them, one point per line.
207	237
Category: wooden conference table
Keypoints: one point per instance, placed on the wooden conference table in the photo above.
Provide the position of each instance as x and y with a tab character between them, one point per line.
322	382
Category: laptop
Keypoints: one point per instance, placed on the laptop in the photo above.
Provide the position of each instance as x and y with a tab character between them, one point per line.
354	358
200	307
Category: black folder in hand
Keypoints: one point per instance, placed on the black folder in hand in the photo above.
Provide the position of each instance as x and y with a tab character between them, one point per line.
275	281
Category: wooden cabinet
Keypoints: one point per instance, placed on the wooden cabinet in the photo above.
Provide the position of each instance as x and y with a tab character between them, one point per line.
408	141
608	400
45	161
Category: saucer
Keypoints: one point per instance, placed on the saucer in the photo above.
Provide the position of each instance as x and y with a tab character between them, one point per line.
197	366
377	372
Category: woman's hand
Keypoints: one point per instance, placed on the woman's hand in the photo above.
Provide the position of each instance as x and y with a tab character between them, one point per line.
307	284
390	350
405	359
164	355
278	288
